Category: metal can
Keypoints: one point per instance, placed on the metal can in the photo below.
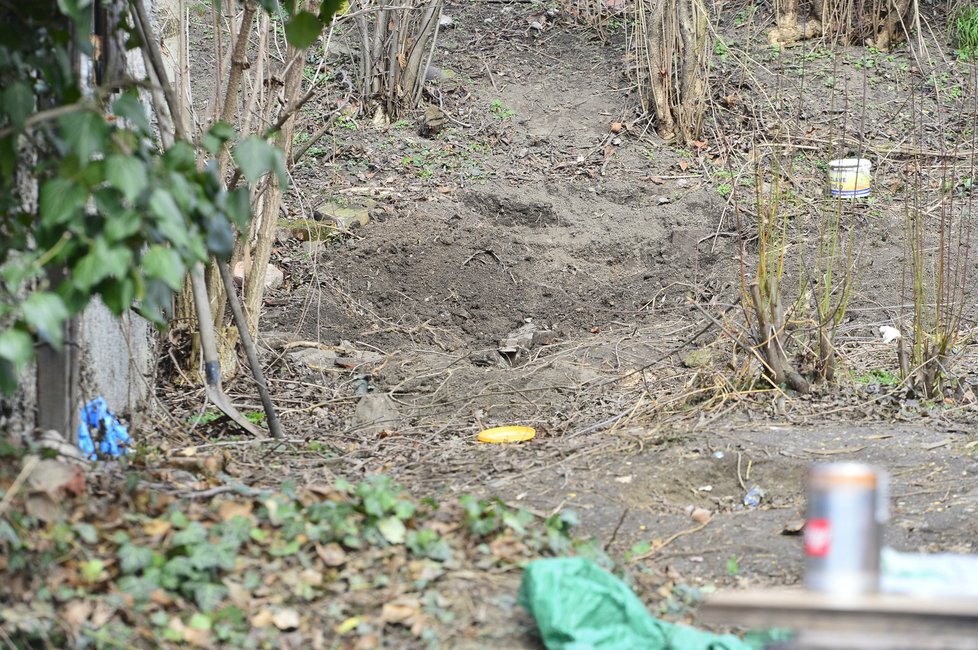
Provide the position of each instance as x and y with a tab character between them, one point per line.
848	505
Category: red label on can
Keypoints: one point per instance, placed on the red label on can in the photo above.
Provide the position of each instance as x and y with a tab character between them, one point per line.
818	537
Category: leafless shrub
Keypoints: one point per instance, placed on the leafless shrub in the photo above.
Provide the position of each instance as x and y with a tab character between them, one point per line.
396	41
669	48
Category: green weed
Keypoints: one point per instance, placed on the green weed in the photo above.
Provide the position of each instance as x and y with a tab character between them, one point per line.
733	566
500	111
877	376
720	49
745	15
966	32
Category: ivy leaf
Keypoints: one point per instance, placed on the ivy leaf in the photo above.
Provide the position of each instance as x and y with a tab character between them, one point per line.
180	158
392	529
74	9
256	156
303	30
134	558
92	569
85	132
8	384
404	509
60	200
170	222
328	9
46	313
214	556
139	589
220	238
193	534
156	301
127	174
101	262
216	136
120	221
238	207
131	108
18	103
208	595
8	155
118	294
16	347
164	264
87	532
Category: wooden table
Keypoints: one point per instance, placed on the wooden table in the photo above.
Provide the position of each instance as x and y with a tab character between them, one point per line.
873	622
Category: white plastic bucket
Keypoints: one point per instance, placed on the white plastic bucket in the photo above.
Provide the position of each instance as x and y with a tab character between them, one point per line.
849	178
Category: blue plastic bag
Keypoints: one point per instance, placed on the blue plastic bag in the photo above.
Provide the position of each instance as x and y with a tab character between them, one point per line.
98	422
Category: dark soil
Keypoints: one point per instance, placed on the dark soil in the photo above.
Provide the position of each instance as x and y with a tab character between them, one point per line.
537	213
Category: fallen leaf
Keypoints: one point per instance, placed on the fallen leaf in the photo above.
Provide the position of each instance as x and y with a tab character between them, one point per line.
54	478
794	527
286	619
157	527
103	614
311	577
683	165
43	507
423	571
368	642
160	597
331	554
230	509
198	637
348	625
263	618
701	515
76	613
400	610
507	548
617	127
656	180
392	529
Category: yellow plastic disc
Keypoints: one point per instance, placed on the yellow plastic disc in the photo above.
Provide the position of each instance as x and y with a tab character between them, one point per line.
507	434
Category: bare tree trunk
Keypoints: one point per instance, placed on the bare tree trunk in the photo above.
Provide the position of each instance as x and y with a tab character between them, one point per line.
242	72
879	23
661	72
670	47
264	221
397	38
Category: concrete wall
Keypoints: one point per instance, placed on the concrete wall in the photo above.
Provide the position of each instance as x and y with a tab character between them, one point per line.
117	359
104	355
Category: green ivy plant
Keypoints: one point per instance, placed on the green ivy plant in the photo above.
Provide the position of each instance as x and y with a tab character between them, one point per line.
89	203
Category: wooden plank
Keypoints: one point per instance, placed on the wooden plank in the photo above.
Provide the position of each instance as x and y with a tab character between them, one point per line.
826	640
888	614
57	385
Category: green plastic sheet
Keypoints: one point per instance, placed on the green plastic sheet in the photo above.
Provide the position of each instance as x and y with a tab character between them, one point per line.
580	606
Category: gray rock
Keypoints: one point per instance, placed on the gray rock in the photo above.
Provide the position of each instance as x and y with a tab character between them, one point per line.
274	277
376	412
314	358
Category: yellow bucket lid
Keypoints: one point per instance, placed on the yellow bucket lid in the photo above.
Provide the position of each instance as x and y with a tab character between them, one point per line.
507	434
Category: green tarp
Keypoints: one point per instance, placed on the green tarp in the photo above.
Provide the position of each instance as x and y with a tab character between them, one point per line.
579	606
